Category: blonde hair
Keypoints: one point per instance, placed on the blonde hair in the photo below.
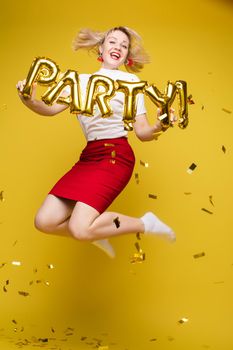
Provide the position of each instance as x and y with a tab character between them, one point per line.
91	40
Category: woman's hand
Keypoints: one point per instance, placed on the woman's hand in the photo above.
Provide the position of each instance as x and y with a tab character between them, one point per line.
173	119
20	86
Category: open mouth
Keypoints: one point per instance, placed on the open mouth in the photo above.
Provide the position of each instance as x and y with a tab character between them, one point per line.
115	55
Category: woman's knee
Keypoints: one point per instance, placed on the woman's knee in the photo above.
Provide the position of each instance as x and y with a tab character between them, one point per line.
42	223
79	232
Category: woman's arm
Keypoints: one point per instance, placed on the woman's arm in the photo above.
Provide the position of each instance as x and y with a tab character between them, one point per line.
38	106
145	131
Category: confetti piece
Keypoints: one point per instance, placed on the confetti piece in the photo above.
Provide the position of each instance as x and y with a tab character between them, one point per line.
199	255
50	266
43	340
138	247
202	107
226	110
30	283
136	176
206	210
112	161
183	320
153	339
4	107
187	193
52	329
47	283
211	200
146	165
170	338
191	168
16	263
117	222
223	149
137	258
4	289
218	282
35	270
83	338
109	145
38	281
2	265
138	236
7	282
25	294
153	196
14	321
103	347
113	154
1	196
190	100
14	243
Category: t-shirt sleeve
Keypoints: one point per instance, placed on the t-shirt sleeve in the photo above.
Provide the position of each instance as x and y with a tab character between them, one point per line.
140	102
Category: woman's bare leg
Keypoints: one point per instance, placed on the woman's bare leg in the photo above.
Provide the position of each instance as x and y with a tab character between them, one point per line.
87	224
54	214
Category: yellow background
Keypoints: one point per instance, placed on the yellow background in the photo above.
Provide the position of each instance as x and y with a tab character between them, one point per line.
125	306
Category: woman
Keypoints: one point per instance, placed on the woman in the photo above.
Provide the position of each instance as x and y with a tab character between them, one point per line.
76	205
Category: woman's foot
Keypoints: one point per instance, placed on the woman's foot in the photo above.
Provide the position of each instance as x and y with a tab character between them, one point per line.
104	245
155	226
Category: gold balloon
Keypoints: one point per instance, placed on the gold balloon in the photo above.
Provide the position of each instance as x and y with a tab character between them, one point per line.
70	78
130	89
163	101
94	95
183	103
43	71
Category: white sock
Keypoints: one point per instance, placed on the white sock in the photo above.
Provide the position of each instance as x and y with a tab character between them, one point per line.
104	245
154	225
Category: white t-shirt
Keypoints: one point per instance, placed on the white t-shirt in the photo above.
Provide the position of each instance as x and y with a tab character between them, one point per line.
96	127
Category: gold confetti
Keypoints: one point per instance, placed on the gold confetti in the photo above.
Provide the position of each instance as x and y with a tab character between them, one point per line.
7	282
43	340
211	200
35	270
4	289
218	282
153	196
191	168
226	110
190	100
1	196
117	222
14	243
207	211
183	320
109	145
170	338
138	247
103	347
146	165
187	193
202	107
4	107
52	329
47	283
83	338
25	294
30	283
113	154
16	263
223	149
153	339
2	265
50	266
138	236
14	321
199	255
137	258
136	178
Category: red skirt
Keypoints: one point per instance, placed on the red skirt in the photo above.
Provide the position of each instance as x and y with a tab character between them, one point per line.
103	170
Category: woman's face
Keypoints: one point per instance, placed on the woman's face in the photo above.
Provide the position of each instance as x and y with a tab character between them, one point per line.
114	50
